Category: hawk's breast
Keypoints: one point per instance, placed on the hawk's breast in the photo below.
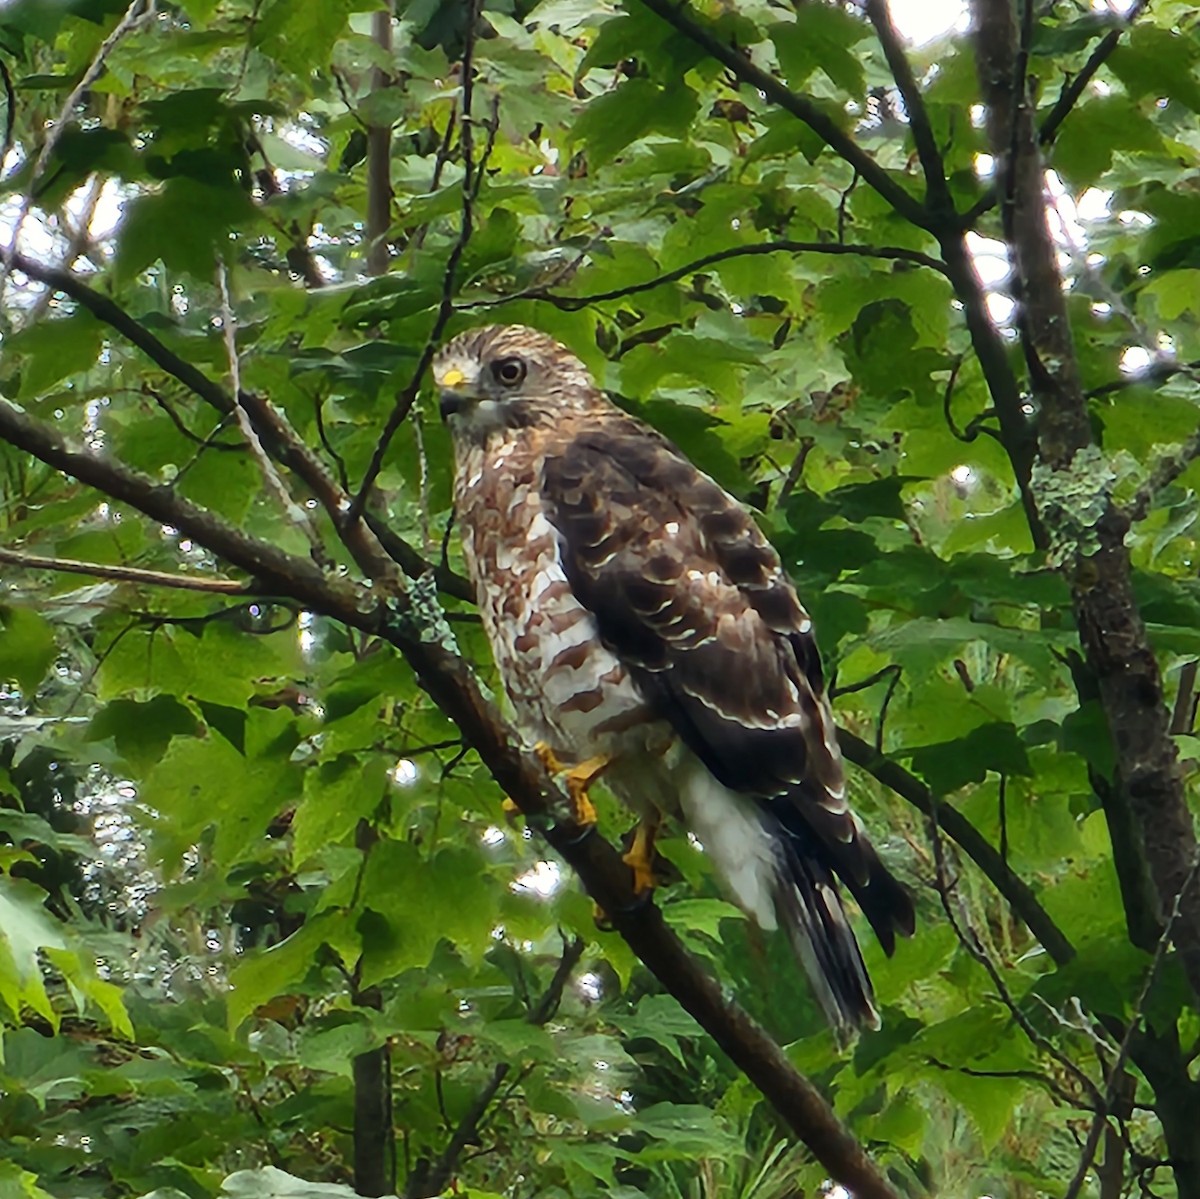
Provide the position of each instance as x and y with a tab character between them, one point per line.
566	688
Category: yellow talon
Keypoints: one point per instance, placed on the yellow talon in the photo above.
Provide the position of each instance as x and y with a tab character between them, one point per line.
512	813
577	779
640	857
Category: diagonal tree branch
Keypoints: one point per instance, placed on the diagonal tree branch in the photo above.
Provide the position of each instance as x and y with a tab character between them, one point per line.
412	623
801	107
1020	897
277	437
937	193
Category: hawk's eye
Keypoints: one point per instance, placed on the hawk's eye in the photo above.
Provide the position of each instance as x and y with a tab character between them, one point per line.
510	372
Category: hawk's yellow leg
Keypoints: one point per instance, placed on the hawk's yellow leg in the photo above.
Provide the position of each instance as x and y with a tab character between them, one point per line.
640	856
577	779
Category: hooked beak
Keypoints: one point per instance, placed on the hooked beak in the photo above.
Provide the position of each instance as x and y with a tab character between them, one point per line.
454	394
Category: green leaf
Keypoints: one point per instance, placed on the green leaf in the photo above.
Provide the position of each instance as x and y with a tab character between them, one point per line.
284	968
27	648
25	929
186	225
337	795
416	902
1154	61
142	731
821	37
1095	131
54	350
953	764
205	783
613	120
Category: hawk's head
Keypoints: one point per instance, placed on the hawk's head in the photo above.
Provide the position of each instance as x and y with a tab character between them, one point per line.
509	376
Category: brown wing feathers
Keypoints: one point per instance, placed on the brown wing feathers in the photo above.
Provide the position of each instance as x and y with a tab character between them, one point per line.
692	597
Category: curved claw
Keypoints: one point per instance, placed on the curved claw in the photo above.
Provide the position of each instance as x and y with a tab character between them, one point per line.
577	779
640	857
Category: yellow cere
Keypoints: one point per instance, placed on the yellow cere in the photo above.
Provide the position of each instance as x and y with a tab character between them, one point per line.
452	378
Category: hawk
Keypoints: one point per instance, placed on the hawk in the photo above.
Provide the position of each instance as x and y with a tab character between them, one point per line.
642	625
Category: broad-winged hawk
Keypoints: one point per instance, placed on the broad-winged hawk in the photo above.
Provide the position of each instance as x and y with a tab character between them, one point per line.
641	622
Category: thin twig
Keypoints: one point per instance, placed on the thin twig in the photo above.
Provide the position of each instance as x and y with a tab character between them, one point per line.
209	440
890	691
1025	1075
133	14
274	483
835	691
439	165
407	397
427	543
969	939
573	303
1100	1119
124	574
796	470
339	463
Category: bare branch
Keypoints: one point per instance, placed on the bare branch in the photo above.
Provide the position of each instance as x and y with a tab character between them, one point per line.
125	574
801	107
573	303
937	193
